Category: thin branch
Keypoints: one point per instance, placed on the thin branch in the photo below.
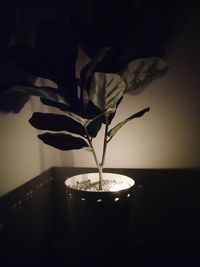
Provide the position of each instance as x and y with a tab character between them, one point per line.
96	161
104	146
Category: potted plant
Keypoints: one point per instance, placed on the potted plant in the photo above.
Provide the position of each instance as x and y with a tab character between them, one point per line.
98	203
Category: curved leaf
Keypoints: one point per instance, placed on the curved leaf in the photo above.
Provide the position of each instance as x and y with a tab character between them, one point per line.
12	103
89	69
44	92
93	126
63	141
115	129
105	90
142	71
54	104
56	122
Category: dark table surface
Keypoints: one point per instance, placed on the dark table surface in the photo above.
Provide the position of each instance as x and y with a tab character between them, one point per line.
164	228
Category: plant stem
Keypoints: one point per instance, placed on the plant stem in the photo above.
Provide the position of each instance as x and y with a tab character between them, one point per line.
99	165
104	147
96	161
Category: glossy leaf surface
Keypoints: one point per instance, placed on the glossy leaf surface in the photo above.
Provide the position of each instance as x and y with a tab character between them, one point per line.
106	89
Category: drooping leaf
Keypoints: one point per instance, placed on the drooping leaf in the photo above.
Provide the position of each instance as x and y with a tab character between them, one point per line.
142	71
12	103
116	128
56	122
54	104
105	90
44	92
63	141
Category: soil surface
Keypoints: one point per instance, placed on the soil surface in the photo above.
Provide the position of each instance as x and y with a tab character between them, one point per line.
107	185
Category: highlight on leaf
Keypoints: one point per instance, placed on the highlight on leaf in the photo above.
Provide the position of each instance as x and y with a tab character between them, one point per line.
142	71
88	71
106	89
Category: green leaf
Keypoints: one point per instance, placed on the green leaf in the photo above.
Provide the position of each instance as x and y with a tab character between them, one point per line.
63	141
92	65
76	117
43	92
89	69
142	71
115	129
94	125
56	122
12	102
105	90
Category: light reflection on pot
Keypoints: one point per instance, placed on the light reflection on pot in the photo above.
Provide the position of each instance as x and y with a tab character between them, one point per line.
118	187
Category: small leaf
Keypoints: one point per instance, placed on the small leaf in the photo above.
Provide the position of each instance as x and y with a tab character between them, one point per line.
56	122
105	90
142	71
115	129
63	141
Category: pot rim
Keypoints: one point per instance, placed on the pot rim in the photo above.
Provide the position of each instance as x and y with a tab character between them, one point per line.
91	175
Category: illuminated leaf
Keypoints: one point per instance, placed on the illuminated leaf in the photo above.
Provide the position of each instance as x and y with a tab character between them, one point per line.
115	129
106	89
142	71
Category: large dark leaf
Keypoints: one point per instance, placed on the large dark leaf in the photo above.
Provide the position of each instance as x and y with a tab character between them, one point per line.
10	75
54	104
63	141
56	122
94	125
115	129
12	102
106	89
88	70
44	92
